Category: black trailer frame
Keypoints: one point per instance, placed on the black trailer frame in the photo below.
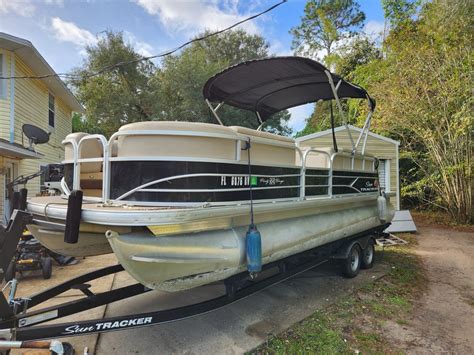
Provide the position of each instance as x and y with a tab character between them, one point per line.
17	323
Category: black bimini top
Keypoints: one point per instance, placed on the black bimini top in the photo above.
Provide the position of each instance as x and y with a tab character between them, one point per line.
274	84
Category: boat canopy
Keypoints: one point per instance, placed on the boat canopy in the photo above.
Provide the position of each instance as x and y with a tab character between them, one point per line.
270	85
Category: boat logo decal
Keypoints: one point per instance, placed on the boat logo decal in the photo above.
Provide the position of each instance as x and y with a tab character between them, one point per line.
271	181
370	185
99	326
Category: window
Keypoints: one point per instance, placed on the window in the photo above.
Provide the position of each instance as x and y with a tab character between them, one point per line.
51	111
3	82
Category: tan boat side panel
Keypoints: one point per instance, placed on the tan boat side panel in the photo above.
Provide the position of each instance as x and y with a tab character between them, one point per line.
270	155
177	146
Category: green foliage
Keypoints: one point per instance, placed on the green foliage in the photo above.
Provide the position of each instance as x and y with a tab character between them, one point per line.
426	98
118	96
324	23
399	11
173	92
82	124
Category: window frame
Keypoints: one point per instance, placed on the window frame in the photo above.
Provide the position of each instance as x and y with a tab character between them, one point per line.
51	110
3	72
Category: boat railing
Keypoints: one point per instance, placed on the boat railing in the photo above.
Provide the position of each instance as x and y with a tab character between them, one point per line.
106	159
306	153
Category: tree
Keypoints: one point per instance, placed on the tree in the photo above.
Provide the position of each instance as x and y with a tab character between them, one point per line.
117	96
80	123
325	23
399	11
424	97
180	80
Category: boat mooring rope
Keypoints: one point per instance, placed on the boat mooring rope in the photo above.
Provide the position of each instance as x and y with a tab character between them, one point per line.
247	147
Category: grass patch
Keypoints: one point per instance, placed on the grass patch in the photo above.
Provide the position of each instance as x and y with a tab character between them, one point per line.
355	323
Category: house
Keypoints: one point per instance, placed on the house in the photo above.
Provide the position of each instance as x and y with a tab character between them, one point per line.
46	103
385	149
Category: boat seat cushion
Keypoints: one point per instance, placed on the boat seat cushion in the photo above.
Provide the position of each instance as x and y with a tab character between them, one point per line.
89	149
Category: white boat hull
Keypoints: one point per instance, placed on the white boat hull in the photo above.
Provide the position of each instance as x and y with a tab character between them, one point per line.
174	263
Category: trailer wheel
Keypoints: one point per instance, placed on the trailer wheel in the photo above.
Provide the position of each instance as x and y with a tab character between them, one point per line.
47	267
368	255
11	271
351	265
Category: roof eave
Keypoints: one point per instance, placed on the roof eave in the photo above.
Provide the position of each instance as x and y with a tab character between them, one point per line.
41	67
13	151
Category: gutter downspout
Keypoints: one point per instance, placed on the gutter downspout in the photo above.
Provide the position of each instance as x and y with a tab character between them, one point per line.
12	97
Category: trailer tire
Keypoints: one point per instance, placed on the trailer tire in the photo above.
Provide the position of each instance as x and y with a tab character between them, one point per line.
368	255
351	265
11	271
47	267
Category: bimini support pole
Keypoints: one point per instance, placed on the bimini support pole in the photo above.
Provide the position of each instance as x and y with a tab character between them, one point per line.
214	111
338	102
260	126
366	128
364	132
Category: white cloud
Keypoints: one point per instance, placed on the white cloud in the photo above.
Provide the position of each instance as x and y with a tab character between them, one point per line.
374	29
279	49
55	2
191	16
299	114
142	48
23	8
70	32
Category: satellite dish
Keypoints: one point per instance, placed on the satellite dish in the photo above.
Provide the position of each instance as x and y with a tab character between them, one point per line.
35	135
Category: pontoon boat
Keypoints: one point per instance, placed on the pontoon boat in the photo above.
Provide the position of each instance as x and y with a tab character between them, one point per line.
173	200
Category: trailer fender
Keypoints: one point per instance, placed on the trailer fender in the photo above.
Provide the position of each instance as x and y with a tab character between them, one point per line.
344	249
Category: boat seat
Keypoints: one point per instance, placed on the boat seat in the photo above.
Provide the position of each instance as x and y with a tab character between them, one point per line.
177	139
316	159
91	173
89	149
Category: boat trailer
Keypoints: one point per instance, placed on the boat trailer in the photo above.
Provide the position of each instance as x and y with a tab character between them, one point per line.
19	327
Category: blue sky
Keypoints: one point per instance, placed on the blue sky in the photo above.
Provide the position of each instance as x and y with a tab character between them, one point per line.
60	29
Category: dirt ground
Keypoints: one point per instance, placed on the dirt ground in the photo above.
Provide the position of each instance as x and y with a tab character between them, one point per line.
443	320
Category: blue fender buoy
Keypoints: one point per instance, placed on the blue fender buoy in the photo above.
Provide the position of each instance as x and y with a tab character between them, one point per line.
253	244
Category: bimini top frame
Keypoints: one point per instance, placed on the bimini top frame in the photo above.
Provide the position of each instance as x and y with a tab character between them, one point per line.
268	86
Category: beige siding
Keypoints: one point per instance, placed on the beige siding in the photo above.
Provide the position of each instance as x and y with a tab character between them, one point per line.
375	146
31	106
5	102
